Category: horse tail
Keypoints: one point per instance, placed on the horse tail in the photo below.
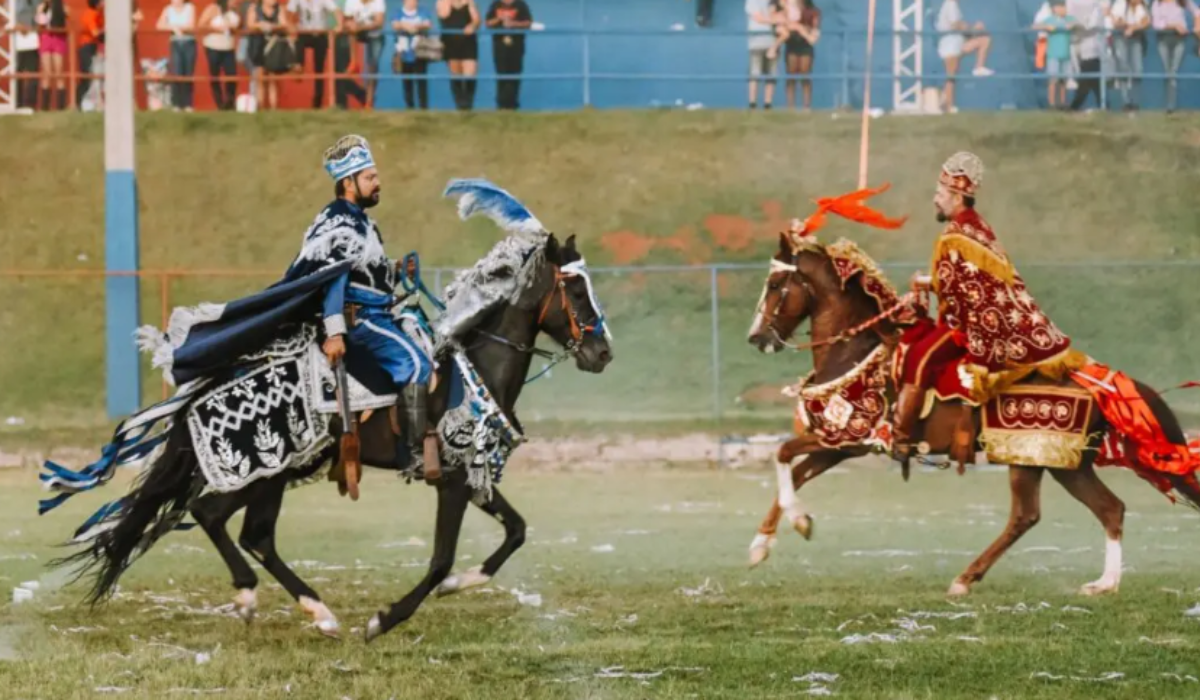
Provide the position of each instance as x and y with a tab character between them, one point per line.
1185	485
124	530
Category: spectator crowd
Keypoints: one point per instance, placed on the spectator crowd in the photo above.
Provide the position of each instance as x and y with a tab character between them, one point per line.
255	47
274	40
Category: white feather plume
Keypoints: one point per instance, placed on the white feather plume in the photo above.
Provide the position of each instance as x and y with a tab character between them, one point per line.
478	196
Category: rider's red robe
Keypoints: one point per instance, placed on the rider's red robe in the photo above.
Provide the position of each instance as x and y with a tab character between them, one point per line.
989	330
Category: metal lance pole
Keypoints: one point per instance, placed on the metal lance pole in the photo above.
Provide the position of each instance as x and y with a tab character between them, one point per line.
123	380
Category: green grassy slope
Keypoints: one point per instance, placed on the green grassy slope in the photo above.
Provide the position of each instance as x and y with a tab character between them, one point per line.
1078	202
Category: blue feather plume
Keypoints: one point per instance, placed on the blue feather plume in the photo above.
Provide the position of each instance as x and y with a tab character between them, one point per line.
479	196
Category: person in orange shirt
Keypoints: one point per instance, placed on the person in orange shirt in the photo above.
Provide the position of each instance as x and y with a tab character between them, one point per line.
91	41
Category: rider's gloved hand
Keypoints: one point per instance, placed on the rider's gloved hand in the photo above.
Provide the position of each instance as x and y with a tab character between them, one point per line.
334	349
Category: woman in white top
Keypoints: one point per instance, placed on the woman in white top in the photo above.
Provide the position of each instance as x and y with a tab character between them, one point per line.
1130	18
218	22
179	18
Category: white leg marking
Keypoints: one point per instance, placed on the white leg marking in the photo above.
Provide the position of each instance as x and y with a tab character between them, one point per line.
958	589
788	503
760	548
456	583
1110	580
246	603
324	620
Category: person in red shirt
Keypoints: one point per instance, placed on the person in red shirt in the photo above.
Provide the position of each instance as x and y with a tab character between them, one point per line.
508	48
91	42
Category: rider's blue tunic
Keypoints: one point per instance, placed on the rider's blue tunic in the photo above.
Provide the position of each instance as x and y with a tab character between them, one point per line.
344	232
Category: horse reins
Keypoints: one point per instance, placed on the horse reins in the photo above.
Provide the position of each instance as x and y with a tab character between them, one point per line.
577	329
845	335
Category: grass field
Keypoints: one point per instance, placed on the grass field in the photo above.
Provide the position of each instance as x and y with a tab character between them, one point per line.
1098	212
638	573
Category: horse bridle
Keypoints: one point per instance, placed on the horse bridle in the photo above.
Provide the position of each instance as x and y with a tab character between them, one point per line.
578	329
791	269
869	324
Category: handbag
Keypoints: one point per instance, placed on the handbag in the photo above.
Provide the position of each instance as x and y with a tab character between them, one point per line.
278	56
430	48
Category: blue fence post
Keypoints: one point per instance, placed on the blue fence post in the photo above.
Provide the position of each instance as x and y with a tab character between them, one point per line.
1103	78
845	71
716	343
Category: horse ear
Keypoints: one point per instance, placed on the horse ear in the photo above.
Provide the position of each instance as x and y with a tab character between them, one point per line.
785	243
552	249
570	245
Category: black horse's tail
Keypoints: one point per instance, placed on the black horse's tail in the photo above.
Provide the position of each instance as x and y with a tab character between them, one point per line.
1185	484
155	505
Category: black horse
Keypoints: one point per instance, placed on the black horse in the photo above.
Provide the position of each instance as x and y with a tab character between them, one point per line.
500	346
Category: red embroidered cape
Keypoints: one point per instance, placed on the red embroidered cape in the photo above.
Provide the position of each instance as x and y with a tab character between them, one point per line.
981	296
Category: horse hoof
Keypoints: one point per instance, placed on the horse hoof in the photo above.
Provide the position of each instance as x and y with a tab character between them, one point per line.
330	628
456	583
1100	587
760	548
374	629
324	620
804	526
958	589
246	604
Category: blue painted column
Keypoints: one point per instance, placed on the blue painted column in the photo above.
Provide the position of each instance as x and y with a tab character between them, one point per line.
123	376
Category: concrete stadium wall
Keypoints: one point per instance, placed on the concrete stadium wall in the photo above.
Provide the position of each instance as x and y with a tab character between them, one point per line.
682	49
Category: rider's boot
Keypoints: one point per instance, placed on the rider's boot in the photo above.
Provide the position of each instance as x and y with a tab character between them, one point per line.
962	449
904	422
422	442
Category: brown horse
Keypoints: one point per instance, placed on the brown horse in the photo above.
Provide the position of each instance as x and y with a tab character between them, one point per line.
847	326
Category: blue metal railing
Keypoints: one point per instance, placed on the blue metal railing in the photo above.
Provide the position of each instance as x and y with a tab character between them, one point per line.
595	60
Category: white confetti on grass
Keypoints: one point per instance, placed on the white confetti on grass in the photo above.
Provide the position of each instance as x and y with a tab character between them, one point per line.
708	588
604	549
1102	678
816	677
1181	679
620	672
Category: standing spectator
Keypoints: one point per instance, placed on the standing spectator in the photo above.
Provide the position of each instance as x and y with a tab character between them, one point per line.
954	43
704	13
411	26
1088	46
51	20
365	18
508	48
762	17
179	18
217	23
1130	20
268	22
1058	28
345	86
802	22
461	19
311	17
91	39
25	42
1170	24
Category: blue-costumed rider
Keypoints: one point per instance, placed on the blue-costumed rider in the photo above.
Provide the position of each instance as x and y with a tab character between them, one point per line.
341	276
357	306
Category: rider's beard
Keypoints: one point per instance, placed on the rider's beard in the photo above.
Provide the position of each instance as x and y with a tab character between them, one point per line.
942	217
368	201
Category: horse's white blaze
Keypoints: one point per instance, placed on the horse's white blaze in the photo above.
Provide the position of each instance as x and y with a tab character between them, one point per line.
1110	580
323	618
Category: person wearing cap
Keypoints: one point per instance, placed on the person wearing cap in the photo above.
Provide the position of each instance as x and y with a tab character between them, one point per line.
358	303
989	334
